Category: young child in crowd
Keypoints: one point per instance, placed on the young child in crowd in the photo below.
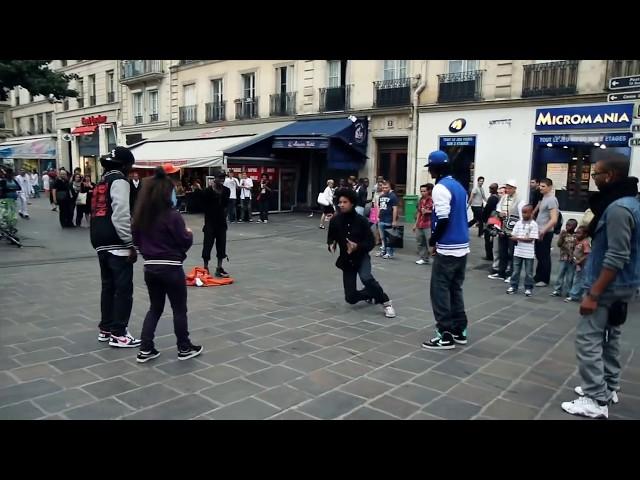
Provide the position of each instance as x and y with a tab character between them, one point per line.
422	227
566	242
580	255
525	233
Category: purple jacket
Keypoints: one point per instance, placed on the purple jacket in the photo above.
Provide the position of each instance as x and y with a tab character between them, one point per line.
166	242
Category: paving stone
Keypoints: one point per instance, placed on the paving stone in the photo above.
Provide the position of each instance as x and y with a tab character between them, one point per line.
472	394
237	337
373	358
325	340
284	396
40	356
113	369
350	369
26	391
334	354
63	400
390	375
424	416
247	409
223	355
274	376
107	409
436	381
147	396
273	357
451	408
456	368
146	376
549	373
109	388
332	405
6	380
21	411
300	347
414	393
396	349
43	344
41	370
366	413
366	388
358	345
189	383
399	330
231	391
293	415
306	363
182	408
265	330
500	368
177	367
319	381
293	335
507	410
520	356
77	361
412	364
394	406
249	365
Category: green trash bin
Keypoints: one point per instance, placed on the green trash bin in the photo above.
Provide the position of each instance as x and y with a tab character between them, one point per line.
410	208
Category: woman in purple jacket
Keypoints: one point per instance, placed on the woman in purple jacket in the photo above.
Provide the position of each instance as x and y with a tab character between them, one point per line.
160	234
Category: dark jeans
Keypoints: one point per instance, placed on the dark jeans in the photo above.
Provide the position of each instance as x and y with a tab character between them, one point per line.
518	262
263	204
447	302
165	281
232	209
477	219
65	212
543	254
246	209
214	234
116	298
506	254
372	288
488	245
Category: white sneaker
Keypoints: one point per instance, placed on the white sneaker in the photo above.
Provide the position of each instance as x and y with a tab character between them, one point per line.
511	291
126	341
528	293
420	262
265	221
389	312
386	256
586	407
380	253
541	284
614	397
507	280
495	276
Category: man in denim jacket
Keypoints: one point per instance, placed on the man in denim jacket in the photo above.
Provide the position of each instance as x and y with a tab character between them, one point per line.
611	277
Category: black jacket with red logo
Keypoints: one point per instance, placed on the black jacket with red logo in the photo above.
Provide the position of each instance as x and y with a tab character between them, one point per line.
111	213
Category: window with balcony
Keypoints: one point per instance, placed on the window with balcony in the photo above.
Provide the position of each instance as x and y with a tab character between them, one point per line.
188	113
459	66
137	99
111	93
460	86
550	78
32	126
335	97
247	106
140	70
65	104
153	105
16	96
39	124
80	90
92	90
17	126
394	90
394	69
283	102
49	122
216	108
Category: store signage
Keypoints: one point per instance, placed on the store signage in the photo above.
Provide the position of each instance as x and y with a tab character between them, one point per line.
585	118
613	140
618	83
457	125
623	96
94	120
635	128
360	132
634	142
457	142
301	143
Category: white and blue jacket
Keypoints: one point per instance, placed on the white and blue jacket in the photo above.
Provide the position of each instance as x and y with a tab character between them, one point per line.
450	201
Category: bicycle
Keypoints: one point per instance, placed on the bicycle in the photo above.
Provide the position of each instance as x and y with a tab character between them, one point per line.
10	234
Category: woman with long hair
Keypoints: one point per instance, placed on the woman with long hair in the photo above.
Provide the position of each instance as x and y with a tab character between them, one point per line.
327	207
83	201
163	239
75	187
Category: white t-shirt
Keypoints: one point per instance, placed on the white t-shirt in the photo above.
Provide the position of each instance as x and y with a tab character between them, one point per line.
246	185
232	184
45	181
478	197
527	230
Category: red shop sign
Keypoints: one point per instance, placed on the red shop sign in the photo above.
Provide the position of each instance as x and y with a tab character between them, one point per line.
94	120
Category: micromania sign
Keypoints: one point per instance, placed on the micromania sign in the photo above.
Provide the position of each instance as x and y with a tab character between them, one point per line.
585	118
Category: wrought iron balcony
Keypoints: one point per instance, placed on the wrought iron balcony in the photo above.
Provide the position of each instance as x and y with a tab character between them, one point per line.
65	104
283	104
335	99
392	93
134	71
188	115
137	119
460	87
246	108
621	68
552	78
215	111
80	102
153	117
111	97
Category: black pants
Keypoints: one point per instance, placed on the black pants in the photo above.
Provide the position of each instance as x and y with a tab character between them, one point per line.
543	254
246	209
214	234
505	246
80	211
447	302
116	298
477	219
165	281
65	212
263	205
51	197
232	213
372	288
488	246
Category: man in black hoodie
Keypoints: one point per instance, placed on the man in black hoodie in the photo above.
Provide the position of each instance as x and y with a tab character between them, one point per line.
352	233
215	200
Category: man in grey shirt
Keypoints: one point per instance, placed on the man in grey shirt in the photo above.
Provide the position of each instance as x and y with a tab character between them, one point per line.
477	199
547	218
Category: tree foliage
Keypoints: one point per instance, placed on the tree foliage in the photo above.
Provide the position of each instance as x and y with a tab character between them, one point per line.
36	77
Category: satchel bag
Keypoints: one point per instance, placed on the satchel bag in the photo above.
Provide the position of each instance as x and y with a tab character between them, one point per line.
82	199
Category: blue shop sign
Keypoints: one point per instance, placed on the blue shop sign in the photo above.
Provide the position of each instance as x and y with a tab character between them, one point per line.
580	118
313	143
610	140
457	142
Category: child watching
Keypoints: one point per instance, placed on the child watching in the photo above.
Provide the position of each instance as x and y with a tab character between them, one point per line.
580	254
566	242
525	233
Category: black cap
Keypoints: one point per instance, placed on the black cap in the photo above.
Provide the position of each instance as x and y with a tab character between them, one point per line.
121	155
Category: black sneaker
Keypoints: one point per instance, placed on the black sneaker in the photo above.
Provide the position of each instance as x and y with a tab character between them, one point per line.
221	273
442	341
146	356
461	338
192	351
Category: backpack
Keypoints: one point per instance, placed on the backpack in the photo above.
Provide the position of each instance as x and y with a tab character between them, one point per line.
558	227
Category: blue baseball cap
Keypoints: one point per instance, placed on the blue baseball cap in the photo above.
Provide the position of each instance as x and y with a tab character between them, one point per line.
437	158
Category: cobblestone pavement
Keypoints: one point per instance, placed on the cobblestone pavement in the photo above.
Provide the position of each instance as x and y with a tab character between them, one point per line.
281	343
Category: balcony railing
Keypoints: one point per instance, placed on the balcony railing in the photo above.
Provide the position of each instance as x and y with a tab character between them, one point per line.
188	115
335	99
92	100
246	108
215	111
552	78
137	119
153	117
111	97
392	93
134	70
80	102
460	87
622	68
283	104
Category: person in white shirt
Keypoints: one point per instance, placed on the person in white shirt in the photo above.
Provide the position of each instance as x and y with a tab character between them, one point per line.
233	184
35	185
524	234
476	201
26	190
46	182
246	184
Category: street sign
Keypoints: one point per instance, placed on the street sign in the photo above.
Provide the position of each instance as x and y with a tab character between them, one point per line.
637	115
623	96
635	128
619	83
634	142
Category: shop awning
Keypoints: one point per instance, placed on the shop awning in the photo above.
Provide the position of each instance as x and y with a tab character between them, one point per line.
39	148
84	130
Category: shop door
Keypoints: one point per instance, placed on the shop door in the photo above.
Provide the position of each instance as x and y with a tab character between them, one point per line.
578	177
287	189
392	165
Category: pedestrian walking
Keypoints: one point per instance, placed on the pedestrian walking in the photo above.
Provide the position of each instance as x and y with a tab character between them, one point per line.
422	226
611	277
161	236
525	234
83	201
325	200
112	239
134	185
361	189
246	184
26	190
534	194
548	214
450	247
75	187
476	201
233	184
263	198
35	183
580	255
216	200
62	196
488	211
388	218
52	174
510	211
350	231
566	243
46	183
374	214
9	190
